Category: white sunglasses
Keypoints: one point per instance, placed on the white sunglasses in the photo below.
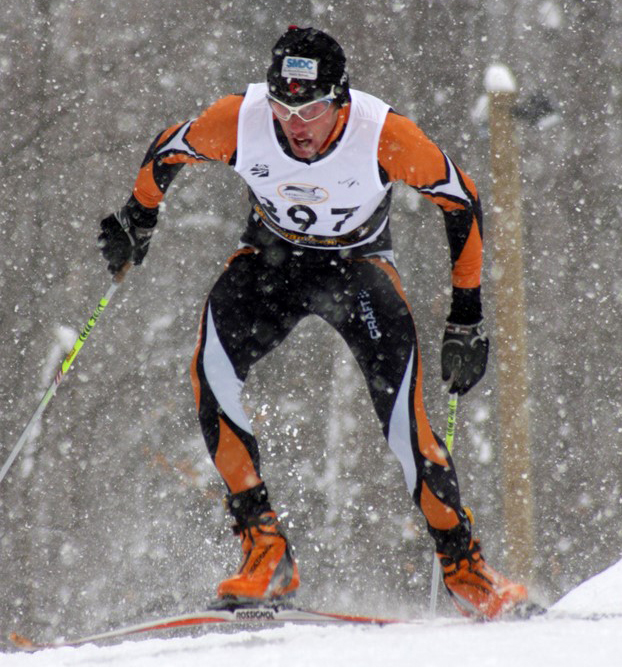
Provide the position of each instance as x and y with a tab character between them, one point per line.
306	112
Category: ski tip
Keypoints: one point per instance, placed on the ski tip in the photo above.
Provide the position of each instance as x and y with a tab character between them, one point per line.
525	610
22	642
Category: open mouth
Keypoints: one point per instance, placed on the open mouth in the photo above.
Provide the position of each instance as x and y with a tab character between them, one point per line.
302	144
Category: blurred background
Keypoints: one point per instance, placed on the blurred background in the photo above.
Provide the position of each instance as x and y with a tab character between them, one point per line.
112	513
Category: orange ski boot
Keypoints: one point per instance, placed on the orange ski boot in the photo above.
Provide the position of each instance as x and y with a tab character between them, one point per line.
476	589
268	569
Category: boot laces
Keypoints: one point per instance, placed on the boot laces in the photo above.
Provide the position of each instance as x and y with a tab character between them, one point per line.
473	556
246	527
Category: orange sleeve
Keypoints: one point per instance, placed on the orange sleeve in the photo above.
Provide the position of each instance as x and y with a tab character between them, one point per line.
211	136
406	154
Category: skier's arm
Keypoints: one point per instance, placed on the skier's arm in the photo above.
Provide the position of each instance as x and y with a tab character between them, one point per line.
212	136
405	153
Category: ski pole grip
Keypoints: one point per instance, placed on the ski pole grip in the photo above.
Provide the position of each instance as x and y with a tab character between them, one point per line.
119	276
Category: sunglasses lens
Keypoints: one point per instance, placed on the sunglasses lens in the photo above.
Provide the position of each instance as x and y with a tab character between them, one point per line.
309	111
279	110
313	110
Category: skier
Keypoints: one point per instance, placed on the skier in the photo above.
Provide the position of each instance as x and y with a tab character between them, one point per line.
320	160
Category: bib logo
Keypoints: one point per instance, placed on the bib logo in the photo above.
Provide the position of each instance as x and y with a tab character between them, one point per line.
301	193
295	67
260	170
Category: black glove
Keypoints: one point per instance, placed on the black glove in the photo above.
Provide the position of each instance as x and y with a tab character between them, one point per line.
463	356
126	235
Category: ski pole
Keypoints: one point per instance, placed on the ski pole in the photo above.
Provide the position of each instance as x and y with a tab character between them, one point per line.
47	397
449	442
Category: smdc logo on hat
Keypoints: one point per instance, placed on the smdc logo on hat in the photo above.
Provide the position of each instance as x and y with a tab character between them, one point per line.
296	67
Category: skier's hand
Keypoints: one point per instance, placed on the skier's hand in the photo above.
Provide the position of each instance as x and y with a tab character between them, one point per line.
126	235
463	356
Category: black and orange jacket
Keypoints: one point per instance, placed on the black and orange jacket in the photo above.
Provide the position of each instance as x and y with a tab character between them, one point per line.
404	154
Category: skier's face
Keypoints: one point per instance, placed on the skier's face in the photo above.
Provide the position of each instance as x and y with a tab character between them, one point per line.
306	138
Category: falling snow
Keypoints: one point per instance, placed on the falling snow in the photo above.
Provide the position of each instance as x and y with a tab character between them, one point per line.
112	513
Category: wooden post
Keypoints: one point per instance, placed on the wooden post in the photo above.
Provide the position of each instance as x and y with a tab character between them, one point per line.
510	335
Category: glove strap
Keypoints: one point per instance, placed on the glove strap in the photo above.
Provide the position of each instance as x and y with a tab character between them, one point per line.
139	236
126	224
464	329
459	329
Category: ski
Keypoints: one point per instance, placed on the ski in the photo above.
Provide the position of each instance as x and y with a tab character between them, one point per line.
224	612
213	615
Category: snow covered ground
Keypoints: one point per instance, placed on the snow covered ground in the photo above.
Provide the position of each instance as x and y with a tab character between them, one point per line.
562	640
